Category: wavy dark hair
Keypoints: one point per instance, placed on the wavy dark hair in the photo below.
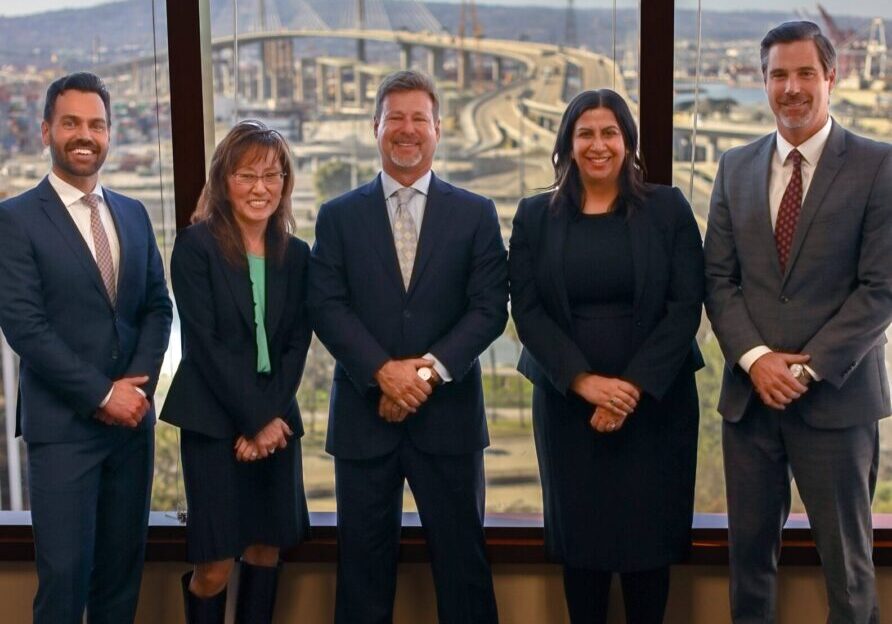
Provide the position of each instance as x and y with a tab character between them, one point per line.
567	185
251	139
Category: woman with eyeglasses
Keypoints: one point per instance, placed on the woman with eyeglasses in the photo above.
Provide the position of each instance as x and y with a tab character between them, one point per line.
239	279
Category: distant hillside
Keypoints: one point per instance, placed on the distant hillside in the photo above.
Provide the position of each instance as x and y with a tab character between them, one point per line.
126	27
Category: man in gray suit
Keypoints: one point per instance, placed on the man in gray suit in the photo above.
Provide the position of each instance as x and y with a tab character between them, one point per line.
799	292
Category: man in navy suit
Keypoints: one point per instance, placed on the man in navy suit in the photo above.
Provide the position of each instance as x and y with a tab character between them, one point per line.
84	303
408	286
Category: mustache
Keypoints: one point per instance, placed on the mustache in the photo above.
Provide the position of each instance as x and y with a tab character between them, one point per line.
81	143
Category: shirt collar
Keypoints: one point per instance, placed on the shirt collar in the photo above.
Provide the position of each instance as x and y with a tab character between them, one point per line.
71	194
811	149
391	186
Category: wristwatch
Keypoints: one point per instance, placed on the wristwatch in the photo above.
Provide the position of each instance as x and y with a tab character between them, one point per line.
801	374
425	373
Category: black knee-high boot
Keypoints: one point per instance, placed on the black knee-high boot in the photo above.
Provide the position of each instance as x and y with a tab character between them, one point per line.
203	610
587	593
256	594
645	594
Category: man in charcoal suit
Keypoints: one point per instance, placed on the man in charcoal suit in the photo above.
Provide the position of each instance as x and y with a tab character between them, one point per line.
799	292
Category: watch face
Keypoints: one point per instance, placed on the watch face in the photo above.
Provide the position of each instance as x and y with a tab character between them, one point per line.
796	370
425	373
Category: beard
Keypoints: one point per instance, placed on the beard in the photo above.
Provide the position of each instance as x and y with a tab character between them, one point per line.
406	161
61	158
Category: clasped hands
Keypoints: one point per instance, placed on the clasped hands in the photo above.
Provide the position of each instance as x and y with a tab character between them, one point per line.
273	436
402	390
614	399
127	405
773	381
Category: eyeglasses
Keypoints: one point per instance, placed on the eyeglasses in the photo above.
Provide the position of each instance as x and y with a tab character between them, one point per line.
270	180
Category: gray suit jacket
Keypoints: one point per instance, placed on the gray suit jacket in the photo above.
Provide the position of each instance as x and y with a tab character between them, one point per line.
834	302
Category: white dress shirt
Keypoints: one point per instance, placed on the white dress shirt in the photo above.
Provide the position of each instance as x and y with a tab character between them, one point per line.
80	214
781	172
416	207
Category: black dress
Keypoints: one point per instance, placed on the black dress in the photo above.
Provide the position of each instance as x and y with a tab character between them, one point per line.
618	501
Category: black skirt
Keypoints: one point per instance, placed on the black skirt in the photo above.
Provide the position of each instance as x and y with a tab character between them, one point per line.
233	504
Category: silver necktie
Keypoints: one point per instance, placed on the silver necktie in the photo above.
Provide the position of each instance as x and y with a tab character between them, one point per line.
405	236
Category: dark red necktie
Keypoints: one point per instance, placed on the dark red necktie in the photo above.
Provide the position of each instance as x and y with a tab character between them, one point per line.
788	214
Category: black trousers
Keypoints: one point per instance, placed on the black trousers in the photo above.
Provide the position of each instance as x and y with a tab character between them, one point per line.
644	595
449	492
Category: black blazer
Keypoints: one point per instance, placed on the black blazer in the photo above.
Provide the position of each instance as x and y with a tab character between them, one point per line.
57	316
669	289
455	307
217	390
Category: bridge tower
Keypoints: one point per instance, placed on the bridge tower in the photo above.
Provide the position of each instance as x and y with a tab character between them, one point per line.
876	50
360	24
570	26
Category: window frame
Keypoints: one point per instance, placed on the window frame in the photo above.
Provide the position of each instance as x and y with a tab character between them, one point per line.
513	539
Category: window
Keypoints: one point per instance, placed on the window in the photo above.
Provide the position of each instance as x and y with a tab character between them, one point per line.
720	103
124	43
297	69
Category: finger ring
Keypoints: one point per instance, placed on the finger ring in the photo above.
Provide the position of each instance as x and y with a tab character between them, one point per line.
611	426
254	455
612	402
272	450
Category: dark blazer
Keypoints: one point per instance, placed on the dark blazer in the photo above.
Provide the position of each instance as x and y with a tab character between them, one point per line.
217	390
668	267
456	305
57	316
834	302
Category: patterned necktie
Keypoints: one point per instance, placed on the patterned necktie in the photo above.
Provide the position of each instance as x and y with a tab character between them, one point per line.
405	237
101	246
788	214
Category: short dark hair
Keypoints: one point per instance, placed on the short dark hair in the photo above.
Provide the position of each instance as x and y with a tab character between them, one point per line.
789	32
78	81
406	80
567	183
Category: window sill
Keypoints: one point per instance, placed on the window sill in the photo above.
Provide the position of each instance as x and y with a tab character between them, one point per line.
511	538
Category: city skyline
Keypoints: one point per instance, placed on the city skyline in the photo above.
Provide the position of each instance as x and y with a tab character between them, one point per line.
863	8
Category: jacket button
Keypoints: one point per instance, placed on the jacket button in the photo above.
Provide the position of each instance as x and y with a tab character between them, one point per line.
407	314
784	299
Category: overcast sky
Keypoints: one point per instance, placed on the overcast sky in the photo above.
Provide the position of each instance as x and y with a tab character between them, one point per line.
882	8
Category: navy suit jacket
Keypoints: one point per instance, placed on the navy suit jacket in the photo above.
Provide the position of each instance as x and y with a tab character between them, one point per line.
217	390
456	305
669	287
57	316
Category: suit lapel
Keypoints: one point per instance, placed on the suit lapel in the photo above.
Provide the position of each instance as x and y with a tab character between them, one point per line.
373	213
123	241
435	220
240	285
61	219
640	240
553	251
831	161
276	285
760	175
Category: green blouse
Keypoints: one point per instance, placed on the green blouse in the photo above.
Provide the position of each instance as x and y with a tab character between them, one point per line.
257	272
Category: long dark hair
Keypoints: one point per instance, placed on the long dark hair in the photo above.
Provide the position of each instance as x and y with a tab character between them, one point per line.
214	207
567	184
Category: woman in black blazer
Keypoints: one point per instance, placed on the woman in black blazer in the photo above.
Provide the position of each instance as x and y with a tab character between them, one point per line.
606	292
239	279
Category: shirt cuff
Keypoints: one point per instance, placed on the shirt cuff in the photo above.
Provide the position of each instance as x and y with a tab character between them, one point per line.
108	396
811	371
445	377
749	358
